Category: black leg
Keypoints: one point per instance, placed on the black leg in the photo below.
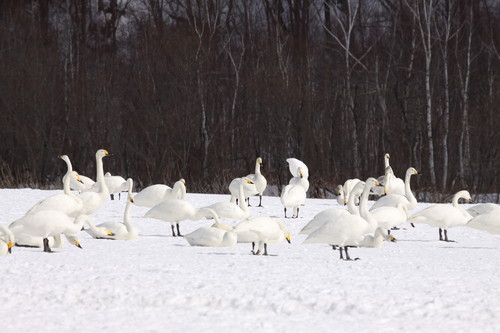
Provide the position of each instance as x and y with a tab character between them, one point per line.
340	250
285	211
334	247
112	196
248	201
347	254
260	200
446	236
178	231
253	247
46	247
440	234
265	249
173	231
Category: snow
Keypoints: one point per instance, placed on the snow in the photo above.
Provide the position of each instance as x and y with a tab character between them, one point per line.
159	283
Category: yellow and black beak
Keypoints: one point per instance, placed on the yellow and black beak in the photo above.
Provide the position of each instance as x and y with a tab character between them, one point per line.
109	233
288	239
78	179
77	243
131	199
9	246
392	239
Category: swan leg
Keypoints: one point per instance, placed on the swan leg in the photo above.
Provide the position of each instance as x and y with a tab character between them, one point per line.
446	236
334	247
341	255
265	249
178	231
112	196
260	201
46	247
285	211
347	255
253	247
248	202
173	231
440	234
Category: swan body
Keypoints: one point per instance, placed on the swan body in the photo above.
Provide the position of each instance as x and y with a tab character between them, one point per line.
84	184
444	216
393	185
92	201
294	195
392	200
390	217
119	231
48	223
301	179
154	194
294	164
234	189
115	184
376	240
258	187
348	230
228	209
216	235
334	213
262	230
7	240
348	186
484	209
489	222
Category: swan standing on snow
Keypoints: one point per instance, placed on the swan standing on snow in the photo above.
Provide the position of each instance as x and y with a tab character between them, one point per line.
393	184
349	230
294	195
7	240
115	184
120	231
392	200
229	210
154	194
262	230
84	184
258	187
444	216
212	236
334	213
92	201
294	164
47	223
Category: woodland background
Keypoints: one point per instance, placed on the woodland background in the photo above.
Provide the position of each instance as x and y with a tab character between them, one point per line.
199	88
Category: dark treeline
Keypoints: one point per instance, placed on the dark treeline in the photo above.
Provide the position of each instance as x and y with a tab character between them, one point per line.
199	88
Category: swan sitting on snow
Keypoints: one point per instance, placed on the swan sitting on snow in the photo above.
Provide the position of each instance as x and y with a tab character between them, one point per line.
212	236
7	240
229	210
489	222
47	223
485	208
262	230
444	216
154	194
120	231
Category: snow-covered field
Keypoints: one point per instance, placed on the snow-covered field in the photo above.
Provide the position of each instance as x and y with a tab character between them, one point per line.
159	283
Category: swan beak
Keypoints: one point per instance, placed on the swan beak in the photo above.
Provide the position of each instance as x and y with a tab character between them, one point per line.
9	246
78	179
131	199
77	244
392	239
415	172
184	182
249	181
109	233
288	239
470	199
385	191
345	202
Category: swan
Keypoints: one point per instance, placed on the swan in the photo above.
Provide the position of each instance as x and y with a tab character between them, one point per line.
248	190
25	240
444	216
92	201
393	185
154	194
67	202
341	200
348	186
301	179
294	164
229	210
212	236
489	222
258	187
262	230
349	230
7	240
47	223
115	184
392	200
294	195
390	217
484	209
121	231
334	213
84	184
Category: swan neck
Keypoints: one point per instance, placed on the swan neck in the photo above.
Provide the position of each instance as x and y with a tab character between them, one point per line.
351	203
409	194
126	215
257	168
241	197
363	208
100	174
386	162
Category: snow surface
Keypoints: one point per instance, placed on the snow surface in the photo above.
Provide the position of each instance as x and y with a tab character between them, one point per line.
159	283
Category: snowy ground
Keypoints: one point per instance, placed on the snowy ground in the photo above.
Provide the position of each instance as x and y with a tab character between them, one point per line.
159	283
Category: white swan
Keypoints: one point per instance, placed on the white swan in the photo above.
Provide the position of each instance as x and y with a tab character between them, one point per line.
390	217
249	189
334	213
229	210
115	184
7	240
392	200
262	230
294	164
154	194
67	202
301	179
119	231
341	199
25	240
48	223
348	186
84	184
393	184
485	208
489	222
444	216
212	236
92	201
294	195
349	230
258	187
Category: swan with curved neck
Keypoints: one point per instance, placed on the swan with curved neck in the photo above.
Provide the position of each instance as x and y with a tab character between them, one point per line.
212	236
349	230
154	194
7	240
48	223
392	200
230	210
84	184
294	195
263	230
444	216
92	201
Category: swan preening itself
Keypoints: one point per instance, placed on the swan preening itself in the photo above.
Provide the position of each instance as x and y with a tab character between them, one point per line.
262	230
444	216
7	240
258	187
154	194
228	209
218	235
294	195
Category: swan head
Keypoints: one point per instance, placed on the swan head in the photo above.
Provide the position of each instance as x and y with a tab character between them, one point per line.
371	182
131	198
182	180
412	171
259	160
247	180
9	246
74	175
387	156
101	153
463	194
288	239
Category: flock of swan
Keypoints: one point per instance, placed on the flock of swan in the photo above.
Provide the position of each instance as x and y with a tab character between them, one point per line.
66	214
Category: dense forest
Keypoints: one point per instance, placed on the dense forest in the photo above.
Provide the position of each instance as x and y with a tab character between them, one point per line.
199	88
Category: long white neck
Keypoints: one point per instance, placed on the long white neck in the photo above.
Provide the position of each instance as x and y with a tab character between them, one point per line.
8	234
100	175
126	216
364	211
409	194
65	158
351	203
257	168
241	197
341	197
456	197
386	161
